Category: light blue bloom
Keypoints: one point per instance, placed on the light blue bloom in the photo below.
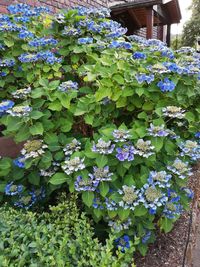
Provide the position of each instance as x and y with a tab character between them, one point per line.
11	189
166	85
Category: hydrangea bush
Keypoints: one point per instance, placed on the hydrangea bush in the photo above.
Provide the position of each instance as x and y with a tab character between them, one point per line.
112	117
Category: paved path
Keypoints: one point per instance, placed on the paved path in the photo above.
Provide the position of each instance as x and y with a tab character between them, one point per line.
196	255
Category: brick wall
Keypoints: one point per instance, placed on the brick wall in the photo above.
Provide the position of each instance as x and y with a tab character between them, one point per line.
53	4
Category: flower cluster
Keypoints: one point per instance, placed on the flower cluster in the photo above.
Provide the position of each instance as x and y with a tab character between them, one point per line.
71	31
190	149
89	184
123	242
101	174
103	147
160	179
93	12
130	197
21	93
157	131
27	10
144	148
166	85
139	55
33	149
180	168
121	135
117	44
9	62
19	111
19	162
11	189
46	56
25	34
152	197
37	42
119	226
67	86
72	147
86	40
173	112
144	78
125	153
5	106
73	165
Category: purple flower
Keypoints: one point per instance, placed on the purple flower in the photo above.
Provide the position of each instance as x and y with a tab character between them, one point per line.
125	153
101	174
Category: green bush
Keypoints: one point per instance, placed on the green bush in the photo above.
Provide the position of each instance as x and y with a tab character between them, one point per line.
62	237
111	117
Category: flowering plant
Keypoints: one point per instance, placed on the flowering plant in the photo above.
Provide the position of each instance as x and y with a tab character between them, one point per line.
109	116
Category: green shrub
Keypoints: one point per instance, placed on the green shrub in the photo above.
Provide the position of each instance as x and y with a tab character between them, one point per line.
109	116
62	237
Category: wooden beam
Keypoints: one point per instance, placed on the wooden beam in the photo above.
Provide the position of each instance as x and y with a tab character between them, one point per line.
134	18
149	20
168	38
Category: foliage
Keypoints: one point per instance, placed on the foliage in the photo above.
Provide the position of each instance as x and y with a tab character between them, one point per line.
62	237
191	29
102	114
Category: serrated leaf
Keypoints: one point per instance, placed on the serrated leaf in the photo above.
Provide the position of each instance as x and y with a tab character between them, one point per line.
58	178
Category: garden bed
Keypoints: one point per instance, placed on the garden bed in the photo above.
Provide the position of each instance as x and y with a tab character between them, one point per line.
177	248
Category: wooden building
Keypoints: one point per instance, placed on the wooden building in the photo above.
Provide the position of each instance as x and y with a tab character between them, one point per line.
147	18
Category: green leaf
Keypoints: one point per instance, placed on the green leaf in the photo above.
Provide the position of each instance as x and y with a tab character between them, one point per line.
104	189
166	224
118	78
35	115
123	214
34	178
37	129
140	211
55	105
9	42
157	142
88	198
58	178
101	161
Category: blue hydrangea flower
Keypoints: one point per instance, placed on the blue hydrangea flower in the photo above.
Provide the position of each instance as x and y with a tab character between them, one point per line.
8	62
72	147
117	44
22	19
89	184
121	135
71	31
9	27
173	112
157	131
73	165
24	34
144	78
27	10
197	135
139	55
189	192
119	226
130	197
103	147
166	85
191	149
11	189
173	67
97	203
125	153
123	242
4	18
172	210
152	197
86	40
160	179
19	162
144	148
26	201
19	111
68	85
180	168
146	237
111	204
5	105
101	174
37	42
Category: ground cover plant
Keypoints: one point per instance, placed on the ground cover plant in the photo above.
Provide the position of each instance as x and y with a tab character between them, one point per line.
111	117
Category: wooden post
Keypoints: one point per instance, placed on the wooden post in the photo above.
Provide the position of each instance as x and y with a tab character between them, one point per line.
149	19
168	39
160	32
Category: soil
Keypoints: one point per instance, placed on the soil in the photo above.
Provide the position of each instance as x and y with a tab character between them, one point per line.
176	248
